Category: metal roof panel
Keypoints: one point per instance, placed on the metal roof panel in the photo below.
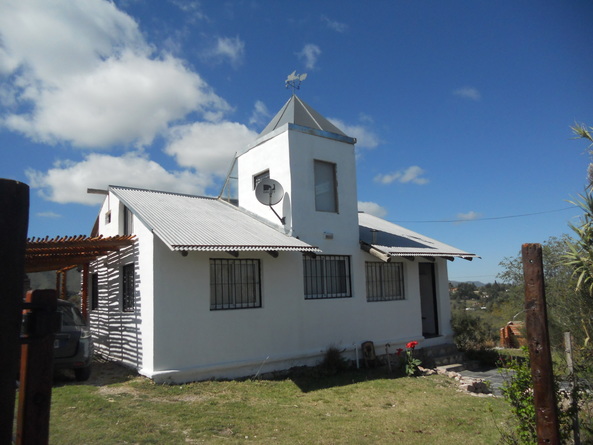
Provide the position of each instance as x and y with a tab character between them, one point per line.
186	222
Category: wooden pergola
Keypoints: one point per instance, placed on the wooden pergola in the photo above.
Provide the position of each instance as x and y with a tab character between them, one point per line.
68	252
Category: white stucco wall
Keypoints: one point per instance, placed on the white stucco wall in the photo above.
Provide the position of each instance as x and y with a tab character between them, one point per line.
174	336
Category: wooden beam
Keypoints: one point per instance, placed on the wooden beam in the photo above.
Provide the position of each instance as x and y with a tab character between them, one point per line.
14	222
375	252
536	324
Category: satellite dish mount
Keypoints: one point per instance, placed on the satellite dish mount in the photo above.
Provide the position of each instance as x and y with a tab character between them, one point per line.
269	192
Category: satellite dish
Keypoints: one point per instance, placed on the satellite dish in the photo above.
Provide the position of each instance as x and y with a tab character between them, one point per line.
269	192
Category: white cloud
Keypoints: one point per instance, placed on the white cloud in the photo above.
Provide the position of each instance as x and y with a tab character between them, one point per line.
470	93
51	215
191	9
260	114
469	216
309	54
365	137
372	208
334	25
208	147
230	49
412	174
68	181
95	82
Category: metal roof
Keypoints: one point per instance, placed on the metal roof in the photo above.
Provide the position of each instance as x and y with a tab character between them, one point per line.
393	240
185	222
295	111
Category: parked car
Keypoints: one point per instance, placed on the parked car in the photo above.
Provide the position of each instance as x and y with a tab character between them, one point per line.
73	345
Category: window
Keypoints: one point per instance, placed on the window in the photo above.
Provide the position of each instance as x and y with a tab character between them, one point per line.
128	222
128	288
385	281
94	291
327	276
234	284
326	199
257	178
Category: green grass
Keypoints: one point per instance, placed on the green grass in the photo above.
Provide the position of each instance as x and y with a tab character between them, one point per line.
353	407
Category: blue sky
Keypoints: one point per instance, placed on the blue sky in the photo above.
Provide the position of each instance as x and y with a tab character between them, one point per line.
462	109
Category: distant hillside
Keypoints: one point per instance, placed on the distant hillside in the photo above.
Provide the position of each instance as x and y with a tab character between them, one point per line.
476	283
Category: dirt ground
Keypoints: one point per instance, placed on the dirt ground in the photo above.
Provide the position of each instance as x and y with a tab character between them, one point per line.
103	372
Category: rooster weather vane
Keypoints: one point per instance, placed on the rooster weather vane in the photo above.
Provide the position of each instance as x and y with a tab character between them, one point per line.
294	80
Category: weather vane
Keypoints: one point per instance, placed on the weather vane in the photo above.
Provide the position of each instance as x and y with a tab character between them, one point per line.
294	80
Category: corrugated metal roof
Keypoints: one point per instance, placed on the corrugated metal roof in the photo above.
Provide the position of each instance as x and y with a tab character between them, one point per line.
295	111
185	222
394	240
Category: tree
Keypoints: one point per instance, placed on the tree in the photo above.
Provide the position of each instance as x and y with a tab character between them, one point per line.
560	287
579	255
582	132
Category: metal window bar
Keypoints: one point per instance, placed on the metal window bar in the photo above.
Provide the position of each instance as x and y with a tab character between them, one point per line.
94	291
128	288
327	276
234	284
384	281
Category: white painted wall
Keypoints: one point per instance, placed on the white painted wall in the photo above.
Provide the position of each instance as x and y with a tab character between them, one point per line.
178	338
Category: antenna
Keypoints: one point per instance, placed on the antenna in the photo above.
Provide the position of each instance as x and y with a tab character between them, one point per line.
269	192
294	80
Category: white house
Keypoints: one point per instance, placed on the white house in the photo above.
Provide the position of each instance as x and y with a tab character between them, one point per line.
229	286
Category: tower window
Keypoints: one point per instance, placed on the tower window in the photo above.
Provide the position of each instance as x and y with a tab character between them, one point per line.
258	178
326	195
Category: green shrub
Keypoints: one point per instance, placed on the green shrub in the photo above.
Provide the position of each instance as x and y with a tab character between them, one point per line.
333	362
471	332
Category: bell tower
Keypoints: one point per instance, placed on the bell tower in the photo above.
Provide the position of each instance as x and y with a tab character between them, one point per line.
314	163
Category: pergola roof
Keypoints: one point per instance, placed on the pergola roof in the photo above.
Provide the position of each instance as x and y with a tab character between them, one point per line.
43	254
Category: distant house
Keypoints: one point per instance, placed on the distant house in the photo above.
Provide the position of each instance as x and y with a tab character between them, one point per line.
231	286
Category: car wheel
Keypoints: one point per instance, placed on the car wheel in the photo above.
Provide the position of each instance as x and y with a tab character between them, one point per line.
82	374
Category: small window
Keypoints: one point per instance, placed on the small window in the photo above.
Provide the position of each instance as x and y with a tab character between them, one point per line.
128	289
258	178
384	281
128	222
326	199
234	284
94	291
326	276
108	217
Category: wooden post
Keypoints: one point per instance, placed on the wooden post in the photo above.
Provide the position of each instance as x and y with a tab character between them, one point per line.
37	369
536	323
14	222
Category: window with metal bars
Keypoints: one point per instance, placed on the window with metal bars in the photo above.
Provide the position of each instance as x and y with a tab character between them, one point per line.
384	281
327	276
128	287
234	284
94	291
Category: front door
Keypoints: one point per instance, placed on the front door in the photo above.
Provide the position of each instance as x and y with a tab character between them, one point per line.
428	300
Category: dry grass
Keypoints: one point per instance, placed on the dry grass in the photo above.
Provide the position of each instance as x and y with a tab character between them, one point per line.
351	407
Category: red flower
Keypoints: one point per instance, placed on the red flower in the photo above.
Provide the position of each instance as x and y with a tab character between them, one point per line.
399	351
412	345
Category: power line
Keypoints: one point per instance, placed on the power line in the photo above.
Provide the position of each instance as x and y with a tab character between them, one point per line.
486	219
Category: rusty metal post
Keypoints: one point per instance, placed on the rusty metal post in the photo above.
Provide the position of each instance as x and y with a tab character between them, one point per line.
14	222
40	324
536	323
